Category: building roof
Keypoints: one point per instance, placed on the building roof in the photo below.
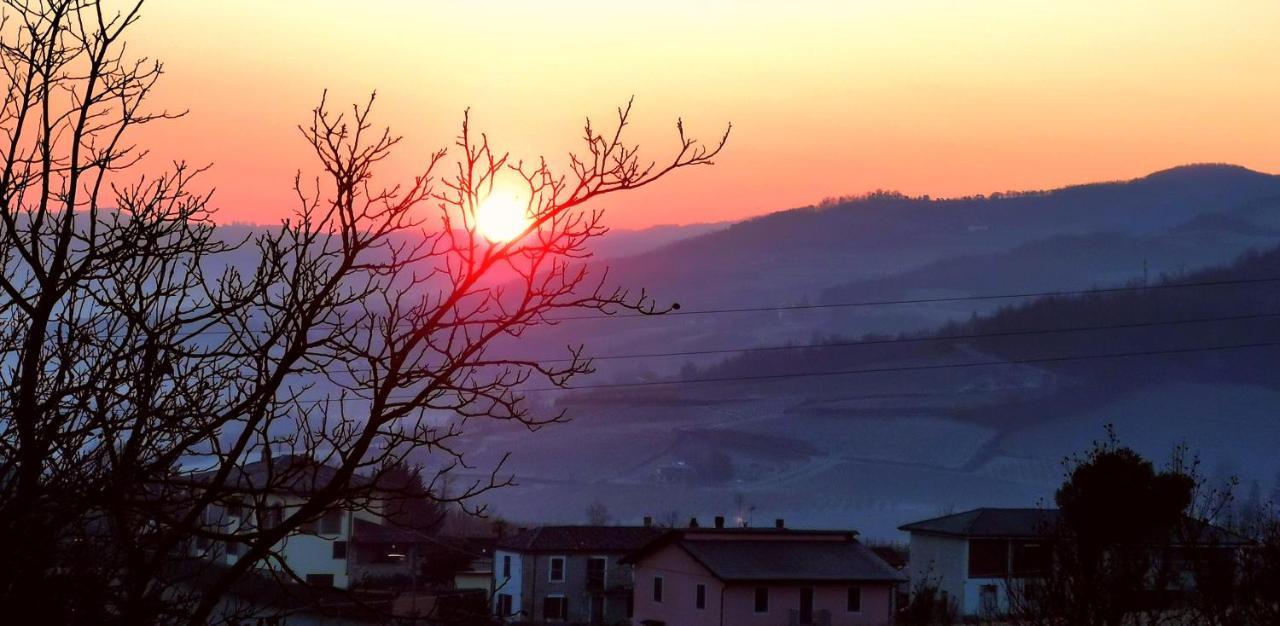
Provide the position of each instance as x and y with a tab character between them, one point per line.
365	531
288	473
579	539
777	555
755	560
1033	523
987	522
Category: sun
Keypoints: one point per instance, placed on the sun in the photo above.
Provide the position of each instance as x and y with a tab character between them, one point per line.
501	217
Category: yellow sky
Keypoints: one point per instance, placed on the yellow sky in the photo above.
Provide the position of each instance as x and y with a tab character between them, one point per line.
826	98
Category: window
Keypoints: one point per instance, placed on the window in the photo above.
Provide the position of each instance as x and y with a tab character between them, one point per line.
762	600
987	602
555	608
340	550
854	602
320	580
1030	558
700	596
657	589
235	508
988	558
555	569
806	605
595	573
272	516
506	566
331	523
631	606
504	604
233	548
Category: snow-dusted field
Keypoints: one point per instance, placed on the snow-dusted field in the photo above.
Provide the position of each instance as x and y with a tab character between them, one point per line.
870	468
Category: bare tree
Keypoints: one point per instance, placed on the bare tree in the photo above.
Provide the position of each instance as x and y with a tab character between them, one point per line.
139	379
598	514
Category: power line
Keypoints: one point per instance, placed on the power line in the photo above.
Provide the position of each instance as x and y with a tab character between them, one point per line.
875	370
869	303
833	305
895	340
916	368
925	339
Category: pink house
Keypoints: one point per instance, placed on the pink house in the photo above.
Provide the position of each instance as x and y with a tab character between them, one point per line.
761	577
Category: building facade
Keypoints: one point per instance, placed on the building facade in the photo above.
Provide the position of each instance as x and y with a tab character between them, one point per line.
571	574
762	577
972	558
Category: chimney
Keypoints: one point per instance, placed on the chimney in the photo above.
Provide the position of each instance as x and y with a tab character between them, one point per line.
693	522
779	523
719	521
648	521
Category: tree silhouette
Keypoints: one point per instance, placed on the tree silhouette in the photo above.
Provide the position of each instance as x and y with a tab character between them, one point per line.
139	378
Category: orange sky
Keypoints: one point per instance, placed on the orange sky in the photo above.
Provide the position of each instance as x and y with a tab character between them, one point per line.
940	97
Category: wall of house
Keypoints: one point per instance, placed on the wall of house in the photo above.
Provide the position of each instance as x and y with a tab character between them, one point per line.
535	585
943	561
973	592
680	575
876	610
513	585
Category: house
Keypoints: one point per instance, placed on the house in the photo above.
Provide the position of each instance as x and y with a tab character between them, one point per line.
761	577
566	573
973	557
262	494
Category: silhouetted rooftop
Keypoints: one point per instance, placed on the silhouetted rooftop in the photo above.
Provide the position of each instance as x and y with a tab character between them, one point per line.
580	539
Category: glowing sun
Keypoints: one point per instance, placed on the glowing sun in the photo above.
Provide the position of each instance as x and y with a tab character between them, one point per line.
501	217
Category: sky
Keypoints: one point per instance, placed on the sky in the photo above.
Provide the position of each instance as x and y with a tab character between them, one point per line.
830	98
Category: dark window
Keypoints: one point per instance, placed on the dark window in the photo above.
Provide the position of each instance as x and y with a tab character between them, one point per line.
595	573
272	516
806	605
556	572
987	599
988	558
701	596
233	548
1030	558
235	508
854	603
762	600
331	523
506	568
657	589
631	606
554	608
504	604
320	580
339	549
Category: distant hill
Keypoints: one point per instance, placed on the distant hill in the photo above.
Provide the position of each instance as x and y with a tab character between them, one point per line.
785	256
995	337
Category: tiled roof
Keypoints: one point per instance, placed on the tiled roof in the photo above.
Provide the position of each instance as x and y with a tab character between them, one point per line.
365	531
1030	523
579	539
747	560
294	473
989	523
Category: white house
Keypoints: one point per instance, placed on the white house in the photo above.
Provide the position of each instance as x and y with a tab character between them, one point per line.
319	552
971	556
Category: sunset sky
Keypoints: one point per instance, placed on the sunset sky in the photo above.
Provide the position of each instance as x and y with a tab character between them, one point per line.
827	98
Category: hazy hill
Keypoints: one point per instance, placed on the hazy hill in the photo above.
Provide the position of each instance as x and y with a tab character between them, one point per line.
784	256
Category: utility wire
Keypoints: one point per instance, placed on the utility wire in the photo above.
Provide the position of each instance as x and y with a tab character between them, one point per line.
834	305
893	340
869	303
874	370
917	368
